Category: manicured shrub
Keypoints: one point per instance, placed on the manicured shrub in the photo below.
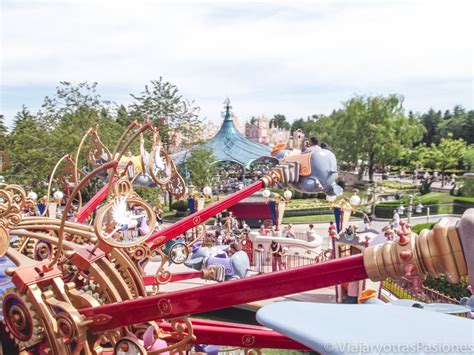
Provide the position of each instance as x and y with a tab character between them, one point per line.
419	227
180	206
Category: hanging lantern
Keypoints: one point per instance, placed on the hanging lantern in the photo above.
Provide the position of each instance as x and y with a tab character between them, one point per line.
401	209
419	208
287	195
354	200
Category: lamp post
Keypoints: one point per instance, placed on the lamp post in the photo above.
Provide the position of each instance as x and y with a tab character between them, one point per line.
418	208
374	192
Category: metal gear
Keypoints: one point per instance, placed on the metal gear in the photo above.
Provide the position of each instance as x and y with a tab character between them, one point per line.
20	319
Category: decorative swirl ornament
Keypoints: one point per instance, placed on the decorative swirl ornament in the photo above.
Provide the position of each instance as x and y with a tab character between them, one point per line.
124	222
97	153
12	200
177	185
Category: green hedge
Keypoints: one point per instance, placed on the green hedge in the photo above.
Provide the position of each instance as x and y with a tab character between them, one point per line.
419	227
384	211
461	204
464	200
181	206
307	212
440	284
404	200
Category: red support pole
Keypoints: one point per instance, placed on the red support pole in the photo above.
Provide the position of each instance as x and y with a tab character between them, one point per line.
226	294
242	337
92	204
150	280
196	218
215	323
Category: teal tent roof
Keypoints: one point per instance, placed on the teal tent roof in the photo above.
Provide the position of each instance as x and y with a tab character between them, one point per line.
229	145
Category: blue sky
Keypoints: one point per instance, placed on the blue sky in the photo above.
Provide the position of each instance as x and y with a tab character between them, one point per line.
292	57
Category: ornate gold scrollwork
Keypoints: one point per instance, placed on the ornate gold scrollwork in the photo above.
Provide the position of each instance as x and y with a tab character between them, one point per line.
126	220
12	200
97	153
177	185
159	163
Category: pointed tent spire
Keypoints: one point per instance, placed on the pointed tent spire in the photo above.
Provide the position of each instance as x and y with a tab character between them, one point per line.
227	106
229	144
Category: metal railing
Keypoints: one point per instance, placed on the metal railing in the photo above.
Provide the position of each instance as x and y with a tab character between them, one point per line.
269	263
402	289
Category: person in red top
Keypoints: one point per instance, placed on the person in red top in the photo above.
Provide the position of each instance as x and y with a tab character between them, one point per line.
332	229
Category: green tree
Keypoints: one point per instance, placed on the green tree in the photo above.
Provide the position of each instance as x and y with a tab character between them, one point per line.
3	133
431	121
162	103
373	130
27	151
279	121
460	123
201	166
69	98
414	158
447	154
298	124
469	158
123	118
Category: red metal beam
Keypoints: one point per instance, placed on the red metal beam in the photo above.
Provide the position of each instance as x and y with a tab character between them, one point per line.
164	235
226	294
242	337
92	204
150	280
215	323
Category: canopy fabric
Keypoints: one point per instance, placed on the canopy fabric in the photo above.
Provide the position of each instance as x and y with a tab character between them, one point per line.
229	145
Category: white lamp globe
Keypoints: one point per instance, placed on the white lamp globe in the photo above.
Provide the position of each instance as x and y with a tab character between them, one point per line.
266	193
287	194
58	195
207	191
331	198
354	200
32	195
419	208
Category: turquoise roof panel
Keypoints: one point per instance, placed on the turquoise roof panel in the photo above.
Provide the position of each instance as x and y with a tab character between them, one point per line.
230	145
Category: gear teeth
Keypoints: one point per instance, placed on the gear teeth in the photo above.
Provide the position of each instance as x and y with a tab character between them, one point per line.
38	329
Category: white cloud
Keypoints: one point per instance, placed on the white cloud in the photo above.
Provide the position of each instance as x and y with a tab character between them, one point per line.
292	57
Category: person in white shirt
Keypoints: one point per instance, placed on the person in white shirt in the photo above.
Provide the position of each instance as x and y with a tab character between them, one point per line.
396	220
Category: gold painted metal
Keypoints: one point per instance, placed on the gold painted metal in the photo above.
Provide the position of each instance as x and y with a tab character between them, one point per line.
109	237
83	182
53	173
436	252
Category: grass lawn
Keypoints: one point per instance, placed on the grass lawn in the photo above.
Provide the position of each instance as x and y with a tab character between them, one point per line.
443	197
